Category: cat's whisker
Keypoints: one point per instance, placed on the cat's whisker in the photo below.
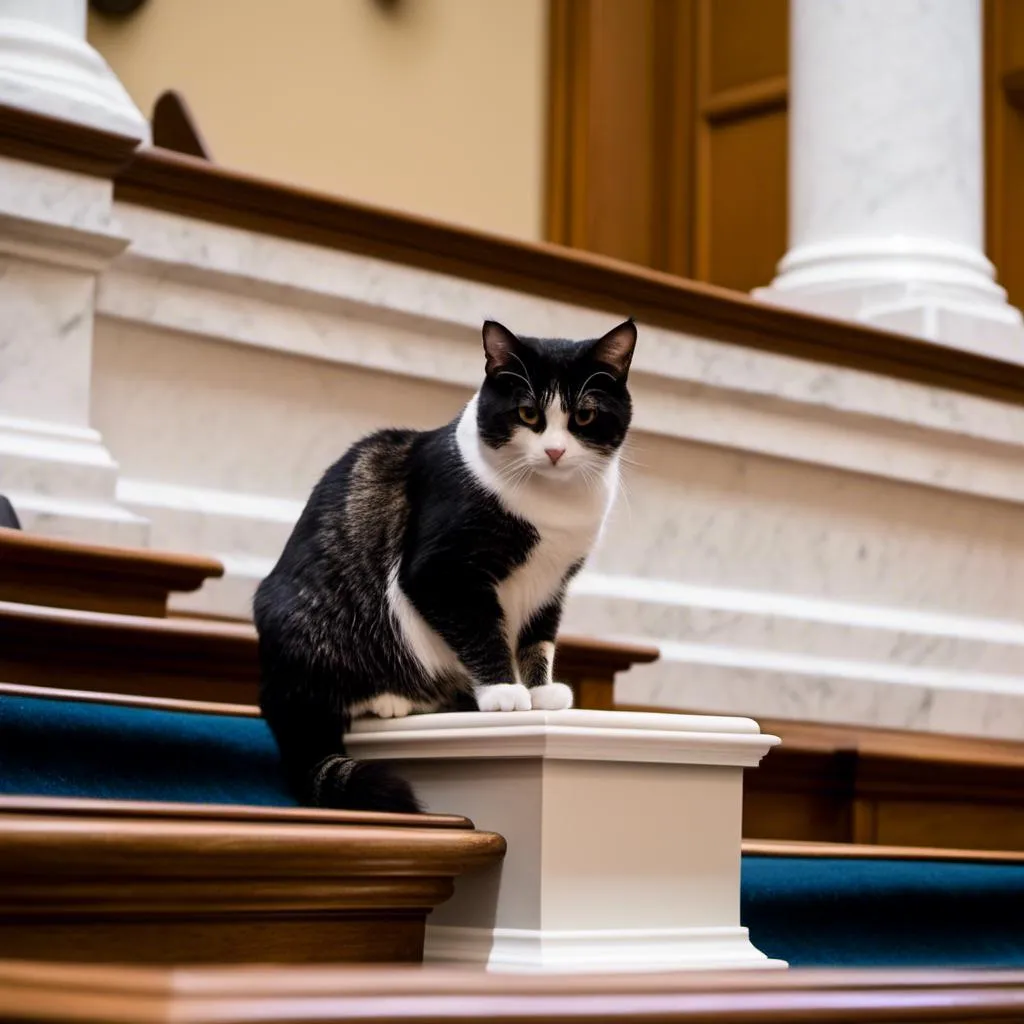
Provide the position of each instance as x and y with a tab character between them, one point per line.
626	497
517	376
583	392
629	458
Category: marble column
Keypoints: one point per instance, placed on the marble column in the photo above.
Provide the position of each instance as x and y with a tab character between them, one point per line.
57	234
886	194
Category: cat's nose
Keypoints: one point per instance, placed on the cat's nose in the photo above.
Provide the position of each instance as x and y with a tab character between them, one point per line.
554	454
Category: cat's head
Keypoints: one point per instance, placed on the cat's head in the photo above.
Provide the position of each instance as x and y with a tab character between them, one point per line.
559	408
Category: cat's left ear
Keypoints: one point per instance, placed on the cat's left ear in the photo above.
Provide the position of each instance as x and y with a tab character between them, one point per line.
500	346
615	349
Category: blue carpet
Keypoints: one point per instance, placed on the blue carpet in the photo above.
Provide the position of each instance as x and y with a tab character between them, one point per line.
70	748
817	912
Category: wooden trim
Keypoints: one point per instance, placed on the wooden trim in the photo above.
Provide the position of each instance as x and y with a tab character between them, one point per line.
36	138
188	888
767	96
1013	86
904	744
144	810
196	188
578	656
675	27
896	743
189	659
131	700
871	851
53	572
561	107
178	572
274	994
128	654
993	29
175	126
701	267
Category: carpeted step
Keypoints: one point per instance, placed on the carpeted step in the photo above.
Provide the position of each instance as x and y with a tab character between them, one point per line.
908	909
74	748
811	906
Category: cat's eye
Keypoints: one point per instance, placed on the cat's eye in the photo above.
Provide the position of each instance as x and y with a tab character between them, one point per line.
529	414
584	417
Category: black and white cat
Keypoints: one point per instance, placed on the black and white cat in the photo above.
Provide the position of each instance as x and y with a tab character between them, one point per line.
428	569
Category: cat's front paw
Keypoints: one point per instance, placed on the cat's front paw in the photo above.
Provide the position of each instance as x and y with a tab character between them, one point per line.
503	697
551	697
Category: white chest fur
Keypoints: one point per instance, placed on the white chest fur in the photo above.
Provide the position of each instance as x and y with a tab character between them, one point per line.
534	583
567	514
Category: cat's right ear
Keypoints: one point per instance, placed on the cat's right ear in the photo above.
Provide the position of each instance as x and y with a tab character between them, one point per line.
500	346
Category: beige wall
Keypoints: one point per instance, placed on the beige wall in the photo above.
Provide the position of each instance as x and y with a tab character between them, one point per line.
437	107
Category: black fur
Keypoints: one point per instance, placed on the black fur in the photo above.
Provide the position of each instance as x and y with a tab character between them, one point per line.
8	517
406	500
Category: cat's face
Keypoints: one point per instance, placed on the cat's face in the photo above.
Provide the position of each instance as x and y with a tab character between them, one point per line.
557	408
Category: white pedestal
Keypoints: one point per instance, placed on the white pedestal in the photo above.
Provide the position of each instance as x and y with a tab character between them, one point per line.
623	834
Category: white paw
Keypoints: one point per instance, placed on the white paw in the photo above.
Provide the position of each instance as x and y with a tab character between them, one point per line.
389	705
503	697
552	697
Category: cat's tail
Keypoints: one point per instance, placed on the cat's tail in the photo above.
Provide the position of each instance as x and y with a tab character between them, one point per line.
310	738
341	782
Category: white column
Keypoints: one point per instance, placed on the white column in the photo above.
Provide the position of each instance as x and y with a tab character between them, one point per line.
623	835
57	233
886	196
47	66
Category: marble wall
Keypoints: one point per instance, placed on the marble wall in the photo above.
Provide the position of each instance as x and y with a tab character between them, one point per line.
800	540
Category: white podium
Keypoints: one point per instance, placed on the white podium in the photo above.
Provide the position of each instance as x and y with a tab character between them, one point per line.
623	835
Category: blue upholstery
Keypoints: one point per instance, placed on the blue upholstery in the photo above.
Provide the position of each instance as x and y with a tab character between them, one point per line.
71	748
835	912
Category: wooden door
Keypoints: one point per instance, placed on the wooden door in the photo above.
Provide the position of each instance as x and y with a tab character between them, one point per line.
667	134
1004	149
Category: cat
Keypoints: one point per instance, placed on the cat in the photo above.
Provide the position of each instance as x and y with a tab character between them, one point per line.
428	570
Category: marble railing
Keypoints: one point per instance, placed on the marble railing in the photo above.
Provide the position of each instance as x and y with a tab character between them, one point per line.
820	520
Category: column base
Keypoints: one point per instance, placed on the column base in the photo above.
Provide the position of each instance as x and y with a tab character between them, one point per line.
54	73
510	950
623	835
929	289
61	481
